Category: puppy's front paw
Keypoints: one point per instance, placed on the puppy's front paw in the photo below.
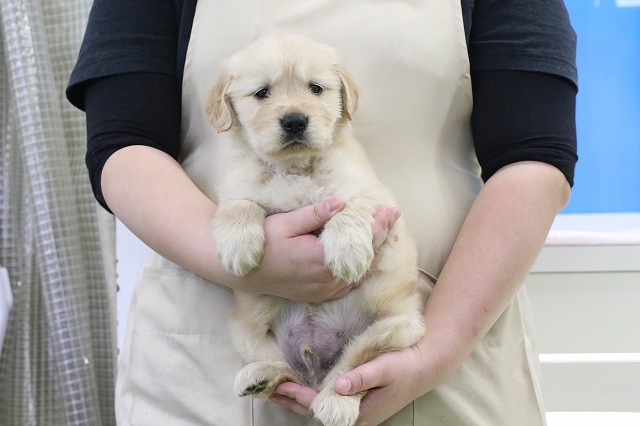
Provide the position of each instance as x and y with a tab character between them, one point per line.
348	250
238	230
260	378
333	409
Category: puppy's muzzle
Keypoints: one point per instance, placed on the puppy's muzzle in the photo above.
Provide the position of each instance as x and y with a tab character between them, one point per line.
294	124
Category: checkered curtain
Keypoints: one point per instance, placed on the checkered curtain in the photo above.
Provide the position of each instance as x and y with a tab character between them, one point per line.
58	357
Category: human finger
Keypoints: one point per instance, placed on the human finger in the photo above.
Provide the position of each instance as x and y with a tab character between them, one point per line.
295	397
362	378
384	219
343	289
311	218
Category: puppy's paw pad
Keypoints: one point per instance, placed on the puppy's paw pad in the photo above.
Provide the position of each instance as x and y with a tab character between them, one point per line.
255	388
332	409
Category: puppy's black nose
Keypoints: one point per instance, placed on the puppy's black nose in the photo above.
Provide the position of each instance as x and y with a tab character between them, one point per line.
294	123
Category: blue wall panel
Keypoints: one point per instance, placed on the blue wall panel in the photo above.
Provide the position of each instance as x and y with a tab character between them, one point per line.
608	109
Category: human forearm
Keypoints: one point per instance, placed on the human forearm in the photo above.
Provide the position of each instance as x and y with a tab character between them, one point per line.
153	196
494	252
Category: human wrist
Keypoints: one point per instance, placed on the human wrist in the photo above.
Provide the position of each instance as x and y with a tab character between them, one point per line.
437	362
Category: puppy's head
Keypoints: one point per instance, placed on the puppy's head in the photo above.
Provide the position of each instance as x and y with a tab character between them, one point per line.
286	94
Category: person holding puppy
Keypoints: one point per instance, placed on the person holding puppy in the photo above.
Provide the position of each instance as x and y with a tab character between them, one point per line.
444	84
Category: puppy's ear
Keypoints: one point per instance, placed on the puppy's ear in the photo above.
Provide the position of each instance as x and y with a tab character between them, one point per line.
219	109
350	93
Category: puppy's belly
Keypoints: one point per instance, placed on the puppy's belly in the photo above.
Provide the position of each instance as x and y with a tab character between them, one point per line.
313	337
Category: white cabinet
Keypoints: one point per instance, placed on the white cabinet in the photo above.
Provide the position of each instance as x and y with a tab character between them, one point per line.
586	302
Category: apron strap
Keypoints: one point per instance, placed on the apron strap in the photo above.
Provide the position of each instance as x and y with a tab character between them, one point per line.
430	277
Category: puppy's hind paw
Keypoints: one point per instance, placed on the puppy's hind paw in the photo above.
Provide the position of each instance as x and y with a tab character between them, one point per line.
261	378
332	409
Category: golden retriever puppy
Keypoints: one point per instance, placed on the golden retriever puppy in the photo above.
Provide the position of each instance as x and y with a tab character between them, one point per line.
289	102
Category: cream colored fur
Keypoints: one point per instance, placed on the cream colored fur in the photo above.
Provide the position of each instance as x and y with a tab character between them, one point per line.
268	173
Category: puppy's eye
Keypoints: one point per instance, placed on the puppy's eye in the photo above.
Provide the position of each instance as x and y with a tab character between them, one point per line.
315	89
262	93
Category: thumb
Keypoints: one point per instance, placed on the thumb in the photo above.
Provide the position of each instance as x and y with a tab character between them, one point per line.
312	218
361	378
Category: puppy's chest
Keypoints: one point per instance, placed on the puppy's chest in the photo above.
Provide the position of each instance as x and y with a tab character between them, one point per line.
285	191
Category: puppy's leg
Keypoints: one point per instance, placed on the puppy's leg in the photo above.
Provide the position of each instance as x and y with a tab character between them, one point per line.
348	240
387	334
238	230
254	340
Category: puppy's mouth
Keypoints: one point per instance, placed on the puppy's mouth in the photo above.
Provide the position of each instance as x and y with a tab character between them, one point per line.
295	143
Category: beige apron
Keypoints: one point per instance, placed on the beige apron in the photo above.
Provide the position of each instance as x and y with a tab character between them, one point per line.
410	60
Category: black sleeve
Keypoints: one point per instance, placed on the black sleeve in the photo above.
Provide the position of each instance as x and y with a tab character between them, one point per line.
130	109
125	36
522	35
523	116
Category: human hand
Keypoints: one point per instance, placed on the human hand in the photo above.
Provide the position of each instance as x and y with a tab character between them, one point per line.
292	264
392	380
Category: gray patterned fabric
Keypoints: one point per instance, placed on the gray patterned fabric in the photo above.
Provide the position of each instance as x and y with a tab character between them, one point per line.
58	358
